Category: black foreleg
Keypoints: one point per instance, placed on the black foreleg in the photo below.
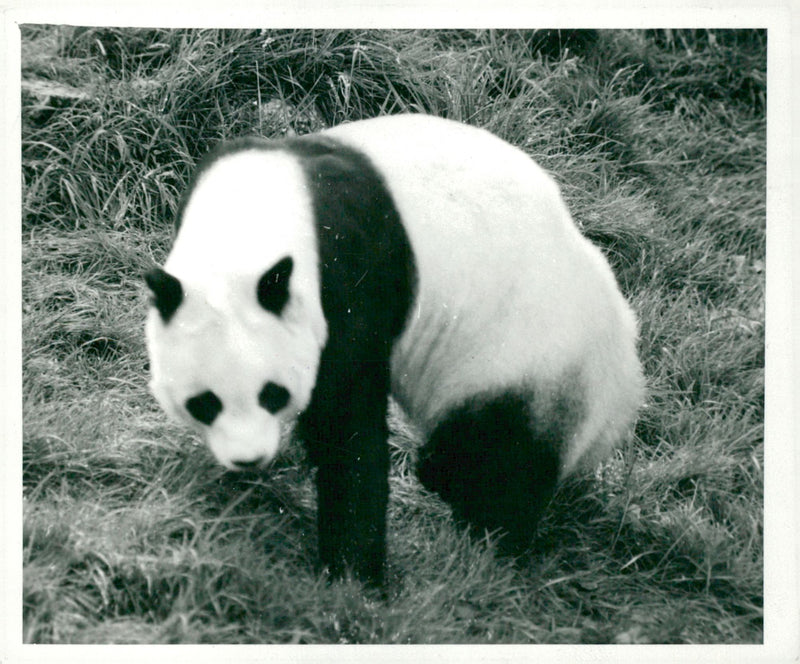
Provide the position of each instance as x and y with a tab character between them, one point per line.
351	517
346	436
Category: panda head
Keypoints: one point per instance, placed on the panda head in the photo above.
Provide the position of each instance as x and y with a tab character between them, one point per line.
235	333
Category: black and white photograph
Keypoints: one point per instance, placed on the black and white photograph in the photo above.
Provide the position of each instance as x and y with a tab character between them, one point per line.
423	335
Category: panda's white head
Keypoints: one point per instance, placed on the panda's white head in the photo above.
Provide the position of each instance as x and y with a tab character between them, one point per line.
236	328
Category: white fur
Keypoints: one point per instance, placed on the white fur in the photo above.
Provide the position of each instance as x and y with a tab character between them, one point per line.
247	212
511	296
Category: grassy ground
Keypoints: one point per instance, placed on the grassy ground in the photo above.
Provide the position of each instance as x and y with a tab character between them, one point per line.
132	534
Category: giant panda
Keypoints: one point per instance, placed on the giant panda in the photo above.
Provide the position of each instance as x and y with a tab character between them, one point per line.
412	256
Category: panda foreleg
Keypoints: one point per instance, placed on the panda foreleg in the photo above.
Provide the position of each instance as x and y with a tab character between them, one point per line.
497	472
351	520
345	432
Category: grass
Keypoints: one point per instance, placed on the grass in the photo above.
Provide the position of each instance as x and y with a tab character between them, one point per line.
132	534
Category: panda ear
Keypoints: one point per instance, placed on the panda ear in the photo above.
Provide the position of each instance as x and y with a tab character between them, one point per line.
167	292
273	286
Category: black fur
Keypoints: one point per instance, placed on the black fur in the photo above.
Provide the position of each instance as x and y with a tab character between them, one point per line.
167	292
367	286
204	407
272	290
490	463
273	397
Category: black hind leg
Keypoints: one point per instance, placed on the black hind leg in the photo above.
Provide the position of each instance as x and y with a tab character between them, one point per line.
487	460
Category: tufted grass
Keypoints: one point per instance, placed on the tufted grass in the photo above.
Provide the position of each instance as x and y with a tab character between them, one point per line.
133	535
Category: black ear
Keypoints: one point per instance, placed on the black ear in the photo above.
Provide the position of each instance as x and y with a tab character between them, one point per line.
273	287
167	292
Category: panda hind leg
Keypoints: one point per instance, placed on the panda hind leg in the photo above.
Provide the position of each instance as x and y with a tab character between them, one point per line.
494	467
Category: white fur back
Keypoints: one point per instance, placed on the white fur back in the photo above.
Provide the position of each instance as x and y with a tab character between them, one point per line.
511	295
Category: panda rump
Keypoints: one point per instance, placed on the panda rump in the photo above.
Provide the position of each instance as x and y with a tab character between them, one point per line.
404	255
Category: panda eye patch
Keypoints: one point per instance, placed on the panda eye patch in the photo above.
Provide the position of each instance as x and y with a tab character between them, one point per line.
273	397
204	407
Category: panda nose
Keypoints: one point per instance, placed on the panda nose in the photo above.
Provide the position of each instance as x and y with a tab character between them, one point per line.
253	464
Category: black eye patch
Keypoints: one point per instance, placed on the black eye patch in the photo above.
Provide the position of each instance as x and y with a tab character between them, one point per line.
204	407
273	397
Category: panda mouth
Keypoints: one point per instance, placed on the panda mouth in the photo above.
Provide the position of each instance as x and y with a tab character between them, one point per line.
250	465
